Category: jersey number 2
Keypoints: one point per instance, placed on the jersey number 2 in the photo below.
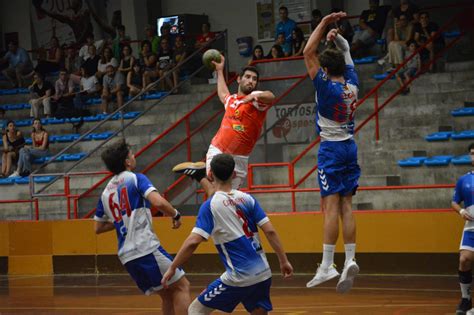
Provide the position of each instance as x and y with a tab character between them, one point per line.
124	205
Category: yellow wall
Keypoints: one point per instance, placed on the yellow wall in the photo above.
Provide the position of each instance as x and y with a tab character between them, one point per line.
31	245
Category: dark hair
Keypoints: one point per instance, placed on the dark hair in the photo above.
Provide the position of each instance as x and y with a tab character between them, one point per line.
253	52
316	12
115	155
280	53
146	42
471	147
424	13
208	24
412	41
11	122
222	166
333	60
102	57
249	68
57	39
32	123
39	74
62	69
126	46
299	35
283	8
121	28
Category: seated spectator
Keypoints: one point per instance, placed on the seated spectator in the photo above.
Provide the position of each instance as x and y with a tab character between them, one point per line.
152	39
412	67
408	9
147	57
165	63
424	31
13	141
316	17
179	55
343	27
257	54
107	59
298	41
275	52
84	52
205	36
64	93
41	92
72	64
39	149
285	26
89	88
19	64
135	80
53	60
127	60
119	42
403	32
113	87
92	63
3	121
371	24
286	47
166	34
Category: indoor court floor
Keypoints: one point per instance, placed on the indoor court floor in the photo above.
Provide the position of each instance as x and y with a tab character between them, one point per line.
117	294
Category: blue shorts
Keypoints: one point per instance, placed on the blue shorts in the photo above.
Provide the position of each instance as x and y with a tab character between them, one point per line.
148	270
338	171
225	298
467	241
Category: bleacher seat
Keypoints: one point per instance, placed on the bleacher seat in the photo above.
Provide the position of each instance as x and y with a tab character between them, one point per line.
23	122
452	34
439	136
365	60
463	111
102	135
73	157
382	76
154	95
94	101
439	160
7	181
130	115
43	179
22	180
23	91
463	135
413	161
461	160
9	92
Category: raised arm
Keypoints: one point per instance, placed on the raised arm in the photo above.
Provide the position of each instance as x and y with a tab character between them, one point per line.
222	89
274	240
341	44
164	206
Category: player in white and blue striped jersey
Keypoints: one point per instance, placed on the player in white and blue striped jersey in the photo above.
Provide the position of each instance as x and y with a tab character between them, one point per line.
232	219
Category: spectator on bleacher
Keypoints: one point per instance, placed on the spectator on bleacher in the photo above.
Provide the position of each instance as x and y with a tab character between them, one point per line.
285	26
412	67
120	41
275	52
165	63
179	55
3	121
72	62
19	64
64	93
152	39
113	88
147	57
298	41
89	88
286	47
92	62
166	34
127	60
205	36
257	54
343	27
85	52
41	92
402	33
424	31
316	17
371	24
135	80
39	149
106	59
53	59
408	9
13	141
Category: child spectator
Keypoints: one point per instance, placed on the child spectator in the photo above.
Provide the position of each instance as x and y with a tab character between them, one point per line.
257	54
13	141
412	67
135	80
40	145
113	87
127	60
19	64
107	59
298	41
285	46
41	92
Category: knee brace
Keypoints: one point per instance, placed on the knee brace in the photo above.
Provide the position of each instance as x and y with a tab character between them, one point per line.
465	276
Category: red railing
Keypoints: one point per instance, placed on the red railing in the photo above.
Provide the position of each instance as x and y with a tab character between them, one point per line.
30	201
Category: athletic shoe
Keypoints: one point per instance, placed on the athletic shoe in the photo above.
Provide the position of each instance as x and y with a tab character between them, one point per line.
14	174
464	306
195	170
351	269
323	275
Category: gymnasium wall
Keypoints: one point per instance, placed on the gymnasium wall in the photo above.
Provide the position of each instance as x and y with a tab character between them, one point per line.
387	242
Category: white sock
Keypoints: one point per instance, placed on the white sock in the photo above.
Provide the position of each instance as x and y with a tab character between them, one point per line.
465	290
328	255
350	252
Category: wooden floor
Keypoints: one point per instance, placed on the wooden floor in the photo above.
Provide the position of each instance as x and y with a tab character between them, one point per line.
117	294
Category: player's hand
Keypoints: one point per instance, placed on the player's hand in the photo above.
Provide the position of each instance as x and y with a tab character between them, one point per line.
176	223
286	269
249	98
167	276
334	17
332	34
465	215
219	66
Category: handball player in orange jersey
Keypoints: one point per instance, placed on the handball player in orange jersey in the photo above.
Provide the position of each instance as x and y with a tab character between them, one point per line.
240	128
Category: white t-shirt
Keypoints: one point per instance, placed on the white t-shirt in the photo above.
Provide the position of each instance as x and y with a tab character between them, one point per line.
89	84
84	51
101	67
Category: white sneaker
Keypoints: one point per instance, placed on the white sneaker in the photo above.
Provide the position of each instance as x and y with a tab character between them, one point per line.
381	61
323	275
14	174
346	281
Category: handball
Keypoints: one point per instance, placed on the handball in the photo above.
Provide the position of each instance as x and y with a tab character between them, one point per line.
209	56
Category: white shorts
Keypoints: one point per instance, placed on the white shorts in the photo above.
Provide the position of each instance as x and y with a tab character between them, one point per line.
241	165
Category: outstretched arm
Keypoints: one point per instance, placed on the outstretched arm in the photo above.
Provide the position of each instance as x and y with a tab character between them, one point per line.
310	50
222	89
274	240
163	205
341	44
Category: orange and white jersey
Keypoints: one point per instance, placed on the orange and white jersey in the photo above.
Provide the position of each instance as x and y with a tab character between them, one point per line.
241	125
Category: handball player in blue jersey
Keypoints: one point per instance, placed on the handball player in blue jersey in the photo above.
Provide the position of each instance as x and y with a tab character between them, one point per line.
124	206
337	86
464	193
232	219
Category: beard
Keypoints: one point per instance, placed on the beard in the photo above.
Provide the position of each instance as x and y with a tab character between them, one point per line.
246	89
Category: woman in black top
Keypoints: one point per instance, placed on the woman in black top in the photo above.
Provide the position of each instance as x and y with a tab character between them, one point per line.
13	141
297	41
135	80
127	60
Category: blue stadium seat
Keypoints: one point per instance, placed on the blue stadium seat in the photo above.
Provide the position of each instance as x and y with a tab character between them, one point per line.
56	121
463	111
154	95
43	179
9	92
382	76
452	34
413	161
23	122
73	157
102	135
365	60
28	141
23	91
22	180
381	41
463	135
439	160
64	138
14	106
7	181
130	115
75	120
92	118
439	136
461	160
